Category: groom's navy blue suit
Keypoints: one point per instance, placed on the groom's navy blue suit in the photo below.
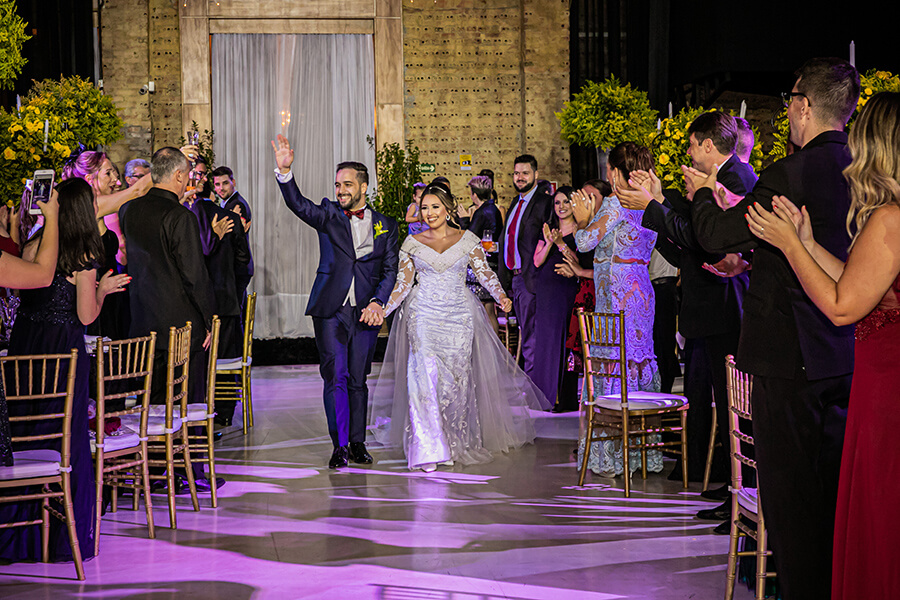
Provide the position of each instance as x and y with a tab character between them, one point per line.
346	345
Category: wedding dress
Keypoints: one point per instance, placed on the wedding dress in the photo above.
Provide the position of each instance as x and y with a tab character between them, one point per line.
449	392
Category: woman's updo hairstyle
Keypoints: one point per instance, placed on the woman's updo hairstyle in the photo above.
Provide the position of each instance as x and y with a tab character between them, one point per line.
628	157
442	192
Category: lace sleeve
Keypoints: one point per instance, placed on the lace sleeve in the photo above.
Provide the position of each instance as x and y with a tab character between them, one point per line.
406	276
603	224
486	276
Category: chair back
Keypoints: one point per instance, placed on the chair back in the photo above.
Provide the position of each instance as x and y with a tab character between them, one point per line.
603	351
177	370
42	382
125	366
740	385
249	319
211	364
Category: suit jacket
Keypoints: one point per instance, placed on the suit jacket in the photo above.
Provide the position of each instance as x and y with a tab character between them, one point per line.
373	275
238	200
710	305
533	218
170	283
486	217
782	329
227	259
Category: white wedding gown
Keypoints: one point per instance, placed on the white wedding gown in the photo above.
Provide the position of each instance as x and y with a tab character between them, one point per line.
449	392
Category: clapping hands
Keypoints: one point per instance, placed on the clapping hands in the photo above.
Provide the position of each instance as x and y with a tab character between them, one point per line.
786	225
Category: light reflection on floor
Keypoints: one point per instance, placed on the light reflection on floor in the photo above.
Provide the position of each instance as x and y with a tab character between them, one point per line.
286	527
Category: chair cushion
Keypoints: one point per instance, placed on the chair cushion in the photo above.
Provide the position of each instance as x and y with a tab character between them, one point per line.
196	412
641	401
111	443
232	364
32	463
155	425
747	499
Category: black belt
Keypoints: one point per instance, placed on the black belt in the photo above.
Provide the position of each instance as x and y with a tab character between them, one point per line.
662	280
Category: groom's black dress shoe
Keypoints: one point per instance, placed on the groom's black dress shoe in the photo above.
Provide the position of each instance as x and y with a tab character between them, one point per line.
359	454
338	458
719	513
720	493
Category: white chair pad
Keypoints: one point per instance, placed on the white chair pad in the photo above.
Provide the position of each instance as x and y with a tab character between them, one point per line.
641	401
112	443
32	463
747	499
197	412
232	364
155	425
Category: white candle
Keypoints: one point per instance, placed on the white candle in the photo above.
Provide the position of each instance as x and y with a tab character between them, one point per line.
658	124
18	105
670	110
46	132
852	54
743	109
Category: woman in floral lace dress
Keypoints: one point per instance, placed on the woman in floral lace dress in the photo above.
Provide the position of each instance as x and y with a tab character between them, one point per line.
449	392
622	282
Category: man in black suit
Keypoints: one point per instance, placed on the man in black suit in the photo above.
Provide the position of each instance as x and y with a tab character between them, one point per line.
358	263
802	363
710	315
231	200
170	284
526	216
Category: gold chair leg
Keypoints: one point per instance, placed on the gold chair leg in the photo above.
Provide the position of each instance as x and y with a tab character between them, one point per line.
45	527
98	507
245	417
70	524
146	485
248	393
762	543
625	462
588	441
684	456
186	455
731	569
211	459
643	448
710	450
170	480
114	500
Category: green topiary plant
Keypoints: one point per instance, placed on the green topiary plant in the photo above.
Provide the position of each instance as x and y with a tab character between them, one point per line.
12	35
397	171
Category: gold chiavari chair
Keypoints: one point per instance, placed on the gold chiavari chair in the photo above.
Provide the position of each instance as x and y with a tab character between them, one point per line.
626	415
38	381
125	366
162	428
233	374
202	414
746	515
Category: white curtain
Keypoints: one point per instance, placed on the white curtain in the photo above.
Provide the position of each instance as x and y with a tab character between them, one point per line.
319	91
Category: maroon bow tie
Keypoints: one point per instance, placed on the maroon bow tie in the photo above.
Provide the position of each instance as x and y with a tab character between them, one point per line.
355	213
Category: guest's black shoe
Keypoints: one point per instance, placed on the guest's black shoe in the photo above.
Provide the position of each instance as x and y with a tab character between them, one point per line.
723	528
719	513
161	486
338	458
203	484
222	420
359	454
562	408
719	494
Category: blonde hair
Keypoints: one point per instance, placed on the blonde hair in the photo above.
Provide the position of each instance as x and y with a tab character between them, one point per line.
874	173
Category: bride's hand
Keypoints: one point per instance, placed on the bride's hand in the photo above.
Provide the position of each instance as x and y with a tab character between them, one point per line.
506	304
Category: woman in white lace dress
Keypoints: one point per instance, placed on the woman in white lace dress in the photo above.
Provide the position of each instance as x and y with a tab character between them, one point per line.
622	251
448	392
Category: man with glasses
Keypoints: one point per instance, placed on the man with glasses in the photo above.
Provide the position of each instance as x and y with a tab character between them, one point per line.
802	363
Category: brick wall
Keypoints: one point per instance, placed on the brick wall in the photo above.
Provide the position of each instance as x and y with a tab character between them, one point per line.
484	78
140	44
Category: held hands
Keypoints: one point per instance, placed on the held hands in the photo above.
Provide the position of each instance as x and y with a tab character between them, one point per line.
284	155
782	227
505	304
221	226
110	284
372	315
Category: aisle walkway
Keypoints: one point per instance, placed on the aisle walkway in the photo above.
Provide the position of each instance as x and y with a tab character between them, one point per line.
288	528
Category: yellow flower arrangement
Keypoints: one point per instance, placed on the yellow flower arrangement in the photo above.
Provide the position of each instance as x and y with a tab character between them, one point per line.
670	146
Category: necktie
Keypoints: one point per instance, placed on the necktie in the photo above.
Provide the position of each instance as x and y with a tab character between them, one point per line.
511	236
355	213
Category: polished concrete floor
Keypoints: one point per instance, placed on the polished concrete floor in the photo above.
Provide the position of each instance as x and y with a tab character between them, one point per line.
287	527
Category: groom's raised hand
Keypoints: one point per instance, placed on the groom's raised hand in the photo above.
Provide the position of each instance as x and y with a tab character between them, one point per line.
284	155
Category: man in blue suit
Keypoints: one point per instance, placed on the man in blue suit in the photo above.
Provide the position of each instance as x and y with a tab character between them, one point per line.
358	262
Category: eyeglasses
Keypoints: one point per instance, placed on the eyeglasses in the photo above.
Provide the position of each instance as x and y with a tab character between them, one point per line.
786	98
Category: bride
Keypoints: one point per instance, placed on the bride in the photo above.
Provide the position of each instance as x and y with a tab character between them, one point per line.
448	390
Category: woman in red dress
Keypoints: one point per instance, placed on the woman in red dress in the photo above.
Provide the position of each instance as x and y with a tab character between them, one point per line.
866	291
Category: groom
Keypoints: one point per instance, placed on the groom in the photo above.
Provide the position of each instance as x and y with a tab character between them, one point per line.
358	261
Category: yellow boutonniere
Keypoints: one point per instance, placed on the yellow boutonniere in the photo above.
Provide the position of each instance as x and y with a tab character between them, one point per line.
379	229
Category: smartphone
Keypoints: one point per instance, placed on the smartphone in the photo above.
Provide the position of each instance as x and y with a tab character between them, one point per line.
41	186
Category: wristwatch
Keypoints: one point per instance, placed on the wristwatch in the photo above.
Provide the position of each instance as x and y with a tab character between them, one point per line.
377	301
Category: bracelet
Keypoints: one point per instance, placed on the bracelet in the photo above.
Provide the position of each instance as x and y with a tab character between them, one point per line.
377	301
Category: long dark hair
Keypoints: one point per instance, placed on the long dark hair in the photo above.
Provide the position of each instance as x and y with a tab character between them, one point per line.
80	246
566	190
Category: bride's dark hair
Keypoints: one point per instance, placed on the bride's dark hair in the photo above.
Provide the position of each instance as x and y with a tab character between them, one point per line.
446	198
